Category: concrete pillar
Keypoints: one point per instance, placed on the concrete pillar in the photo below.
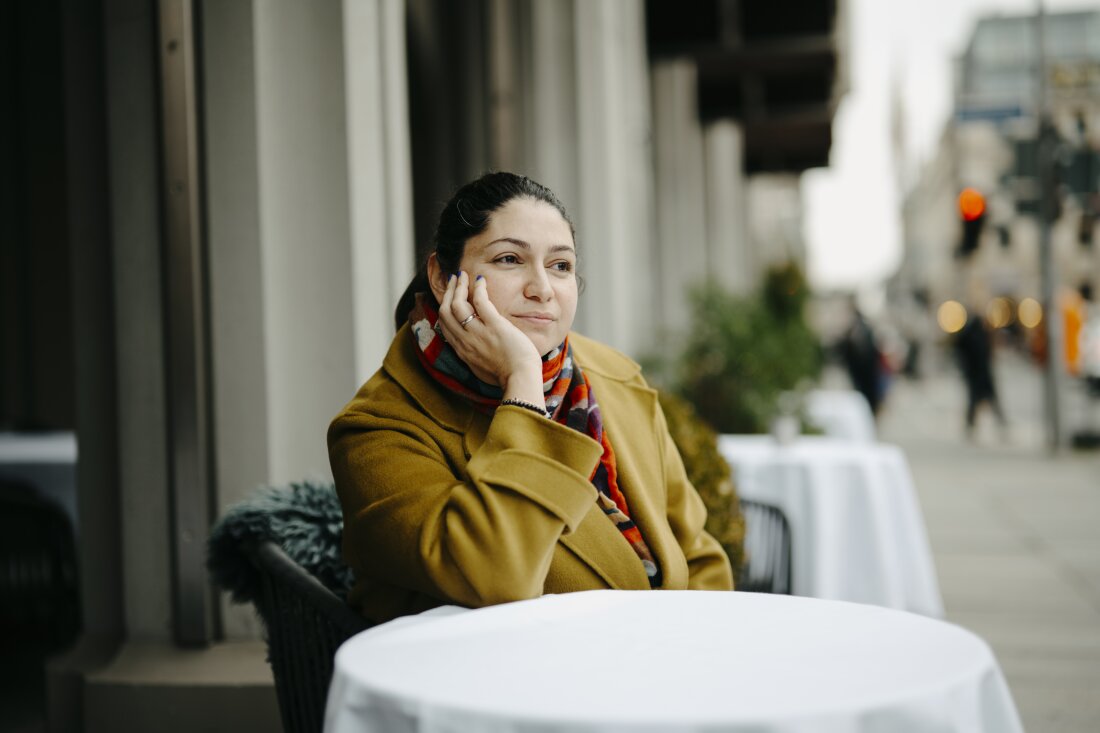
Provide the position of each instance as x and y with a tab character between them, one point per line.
305	229
775	221
334	219
234	250
552	86
505	27
729	256
681	185
613	173
379	173
310	229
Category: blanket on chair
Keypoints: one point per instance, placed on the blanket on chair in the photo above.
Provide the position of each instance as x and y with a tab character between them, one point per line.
304	519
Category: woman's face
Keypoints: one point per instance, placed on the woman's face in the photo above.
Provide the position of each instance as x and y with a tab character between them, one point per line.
529	261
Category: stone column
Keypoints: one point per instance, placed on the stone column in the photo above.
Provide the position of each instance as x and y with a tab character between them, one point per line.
775	224
681	184
309	226
305	261
379	173
552	89
729	257
614	173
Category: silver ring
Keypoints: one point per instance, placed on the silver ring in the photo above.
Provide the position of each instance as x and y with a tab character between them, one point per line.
467	319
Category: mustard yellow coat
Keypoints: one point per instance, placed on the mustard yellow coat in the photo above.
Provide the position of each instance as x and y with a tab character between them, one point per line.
446	505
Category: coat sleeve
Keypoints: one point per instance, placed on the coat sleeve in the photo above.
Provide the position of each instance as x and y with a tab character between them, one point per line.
708	564
476	538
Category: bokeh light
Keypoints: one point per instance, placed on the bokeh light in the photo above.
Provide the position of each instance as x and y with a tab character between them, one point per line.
951	316
1030	312
999	312
971	204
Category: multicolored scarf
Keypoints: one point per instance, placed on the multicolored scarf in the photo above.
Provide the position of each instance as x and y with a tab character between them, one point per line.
569	400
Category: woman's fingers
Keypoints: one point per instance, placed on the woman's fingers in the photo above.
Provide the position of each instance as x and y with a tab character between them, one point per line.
454	309
461	309
481	303
491	345
448	297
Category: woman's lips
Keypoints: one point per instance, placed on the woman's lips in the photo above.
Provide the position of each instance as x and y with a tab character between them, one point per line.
537	318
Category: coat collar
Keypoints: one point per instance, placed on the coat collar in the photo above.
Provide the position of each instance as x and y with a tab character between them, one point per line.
451	411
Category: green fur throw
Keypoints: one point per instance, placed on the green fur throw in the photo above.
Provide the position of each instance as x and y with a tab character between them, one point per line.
304	519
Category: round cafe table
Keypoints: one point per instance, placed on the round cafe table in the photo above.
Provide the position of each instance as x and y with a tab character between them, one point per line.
857	530
622	661
841	413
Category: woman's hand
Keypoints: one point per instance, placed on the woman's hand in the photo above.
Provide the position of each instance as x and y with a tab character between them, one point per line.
492	346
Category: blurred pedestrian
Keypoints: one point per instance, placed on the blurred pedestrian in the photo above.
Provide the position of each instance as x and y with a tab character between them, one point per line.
1088	436
1073	320
974	349
1090	341
863	359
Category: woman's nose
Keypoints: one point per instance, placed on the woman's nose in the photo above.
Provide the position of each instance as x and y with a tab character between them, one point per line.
538	285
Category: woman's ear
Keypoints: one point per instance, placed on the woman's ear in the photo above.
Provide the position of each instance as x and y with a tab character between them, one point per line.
437	279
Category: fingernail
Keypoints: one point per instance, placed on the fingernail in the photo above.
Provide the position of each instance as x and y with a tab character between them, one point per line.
452	277
480	277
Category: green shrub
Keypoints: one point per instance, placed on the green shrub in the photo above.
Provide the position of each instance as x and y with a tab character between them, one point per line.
709	474
743	353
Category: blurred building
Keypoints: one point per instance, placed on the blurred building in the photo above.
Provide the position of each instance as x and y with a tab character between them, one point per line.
990	145
212	208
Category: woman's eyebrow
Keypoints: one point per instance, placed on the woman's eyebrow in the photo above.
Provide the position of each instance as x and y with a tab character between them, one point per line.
525	245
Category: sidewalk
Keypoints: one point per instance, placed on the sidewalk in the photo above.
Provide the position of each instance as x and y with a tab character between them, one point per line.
1015	535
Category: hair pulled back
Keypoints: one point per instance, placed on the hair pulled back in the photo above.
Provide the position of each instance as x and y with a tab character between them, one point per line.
466	215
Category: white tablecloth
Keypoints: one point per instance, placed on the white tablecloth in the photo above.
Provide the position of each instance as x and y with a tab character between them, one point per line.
669	661
841	413
857	532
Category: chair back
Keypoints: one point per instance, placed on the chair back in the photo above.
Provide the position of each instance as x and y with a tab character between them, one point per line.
39	596
767	567
306	623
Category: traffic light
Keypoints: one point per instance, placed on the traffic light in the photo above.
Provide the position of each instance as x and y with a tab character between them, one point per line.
972	211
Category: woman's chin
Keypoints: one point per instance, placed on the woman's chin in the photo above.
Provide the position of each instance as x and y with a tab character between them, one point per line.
543	341
542	344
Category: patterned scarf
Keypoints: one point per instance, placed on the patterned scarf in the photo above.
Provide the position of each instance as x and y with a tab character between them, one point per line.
569	400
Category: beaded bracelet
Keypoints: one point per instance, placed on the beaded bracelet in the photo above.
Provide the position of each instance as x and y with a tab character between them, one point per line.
526	405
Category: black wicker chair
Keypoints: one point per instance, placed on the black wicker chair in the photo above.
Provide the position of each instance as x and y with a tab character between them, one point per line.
39	596
767	567
280	551
306	622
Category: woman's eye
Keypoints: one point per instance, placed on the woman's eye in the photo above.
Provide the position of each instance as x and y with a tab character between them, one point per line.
563	266
507	260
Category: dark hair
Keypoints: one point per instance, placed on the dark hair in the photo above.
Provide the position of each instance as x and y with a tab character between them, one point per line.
466	215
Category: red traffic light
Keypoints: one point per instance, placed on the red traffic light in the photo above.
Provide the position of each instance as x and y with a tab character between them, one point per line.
971	204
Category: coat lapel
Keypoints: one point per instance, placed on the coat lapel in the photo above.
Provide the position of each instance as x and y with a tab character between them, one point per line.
638	455
596	541
624	406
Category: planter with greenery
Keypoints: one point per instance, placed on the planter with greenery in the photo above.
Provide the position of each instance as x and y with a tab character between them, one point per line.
709	474
743	353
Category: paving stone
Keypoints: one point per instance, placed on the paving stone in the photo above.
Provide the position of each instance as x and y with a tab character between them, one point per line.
1015	535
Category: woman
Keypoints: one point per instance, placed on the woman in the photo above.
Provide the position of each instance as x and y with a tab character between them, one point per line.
496	456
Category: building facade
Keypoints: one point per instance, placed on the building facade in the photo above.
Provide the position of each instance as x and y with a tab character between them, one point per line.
233	195
991	145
